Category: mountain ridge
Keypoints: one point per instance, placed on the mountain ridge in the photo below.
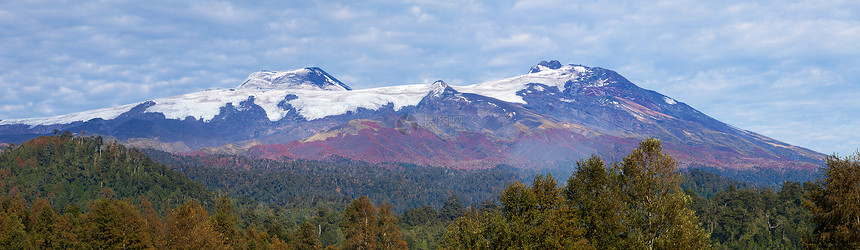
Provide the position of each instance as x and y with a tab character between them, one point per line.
555	112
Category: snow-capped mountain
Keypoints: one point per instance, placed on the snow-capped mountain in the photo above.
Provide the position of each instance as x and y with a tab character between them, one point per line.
312	78
553	113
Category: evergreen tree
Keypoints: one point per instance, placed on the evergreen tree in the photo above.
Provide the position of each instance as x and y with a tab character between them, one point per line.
834	201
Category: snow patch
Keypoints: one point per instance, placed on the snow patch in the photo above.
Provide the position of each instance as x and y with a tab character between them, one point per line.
669	100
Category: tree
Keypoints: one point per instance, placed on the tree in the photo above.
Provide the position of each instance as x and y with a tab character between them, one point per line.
305	237
834	201
113	224
44	222
535	217
594	192
390	236
658	212
225	222
12	234
153	223
359	219
189	227
452	208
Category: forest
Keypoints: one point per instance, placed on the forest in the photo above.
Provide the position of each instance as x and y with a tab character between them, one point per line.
81	192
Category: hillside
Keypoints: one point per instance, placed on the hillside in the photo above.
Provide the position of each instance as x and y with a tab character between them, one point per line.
68	170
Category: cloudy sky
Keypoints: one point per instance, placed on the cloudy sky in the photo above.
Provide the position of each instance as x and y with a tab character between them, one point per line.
786	69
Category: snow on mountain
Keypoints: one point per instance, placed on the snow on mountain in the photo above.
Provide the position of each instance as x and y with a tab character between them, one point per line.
310	103
319	104
105	113
506	89
307	78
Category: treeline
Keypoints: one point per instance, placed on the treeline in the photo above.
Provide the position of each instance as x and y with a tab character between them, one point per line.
639	203
281	182
120	224
635	204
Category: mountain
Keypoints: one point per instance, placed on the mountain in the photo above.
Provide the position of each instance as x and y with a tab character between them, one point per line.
554	113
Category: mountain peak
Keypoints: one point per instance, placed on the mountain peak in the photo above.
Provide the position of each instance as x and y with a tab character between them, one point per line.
544	65
306	78
439	87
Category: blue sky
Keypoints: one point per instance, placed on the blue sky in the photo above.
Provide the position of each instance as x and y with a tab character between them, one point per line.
788	70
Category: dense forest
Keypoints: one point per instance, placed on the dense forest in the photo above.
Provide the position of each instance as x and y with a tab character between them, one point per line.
64	191
402	185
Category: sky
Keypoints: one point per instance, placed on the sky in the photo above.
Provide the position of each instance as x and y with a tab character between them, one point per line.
789	70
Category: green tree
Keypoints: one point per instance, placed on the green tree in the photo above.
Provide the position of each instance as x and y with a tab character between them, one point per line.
44	223
305	237
452	208
113	224
12	233
225	222
535	217
834	201
658	212
594	192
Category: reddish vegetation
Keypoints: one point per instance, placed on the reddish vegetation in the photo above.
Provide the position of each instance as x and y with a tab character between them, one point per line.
476	150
